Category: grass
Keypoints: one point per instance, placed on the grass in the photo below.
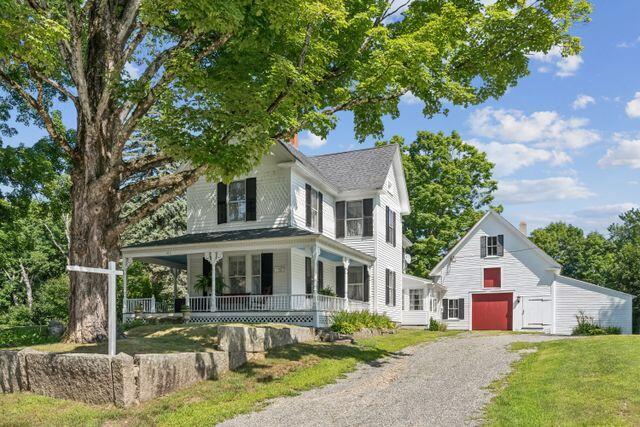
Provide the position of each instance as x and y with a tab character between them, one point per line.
586	381
149	339
286	371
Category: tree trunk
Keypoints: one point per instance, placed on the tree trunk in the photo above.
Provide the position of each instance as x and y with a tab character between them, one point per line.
27	284
92	244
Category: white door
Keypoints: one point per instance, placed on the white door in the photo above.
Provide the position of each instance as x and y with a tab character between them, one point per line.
536	312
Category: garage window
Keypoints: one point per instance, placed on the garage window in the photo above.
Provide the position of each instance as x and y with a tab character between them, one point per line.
492	277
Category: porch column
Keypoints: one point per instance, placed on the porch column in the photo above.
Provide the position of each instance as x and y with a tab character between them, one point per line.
125	266
315	255
372	289
213	258
174	276
345	264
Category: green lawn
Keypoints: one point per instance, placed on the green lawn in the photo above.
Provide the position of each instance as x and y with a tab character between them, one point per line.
587	381
286	371
149	339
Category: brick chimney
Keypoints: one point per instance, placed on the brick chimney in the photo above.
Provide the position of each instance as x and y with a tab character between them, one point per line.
523	227
294	141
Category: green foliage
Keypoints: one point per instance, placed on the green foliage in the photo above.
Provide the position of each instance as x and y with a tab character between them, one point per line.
51	301
587	326
450	186
327	291
434	325
17	336
349	322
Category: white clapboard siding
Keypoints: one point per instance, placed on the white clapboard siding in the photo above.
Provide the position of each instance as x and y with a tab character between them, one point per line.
388	256
607	307
524	272
298	206
272	203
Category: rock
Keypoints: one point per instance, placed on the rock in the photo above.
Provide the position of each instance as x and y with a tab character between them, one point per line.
56	328
124	381
12	376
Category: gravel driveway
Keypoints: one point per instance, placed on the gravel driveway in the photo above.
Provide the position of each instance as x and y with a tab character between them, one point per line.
441	383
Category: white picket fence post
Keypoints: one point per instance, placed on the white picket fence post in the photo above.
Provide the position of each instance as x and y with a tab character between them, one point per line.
111	294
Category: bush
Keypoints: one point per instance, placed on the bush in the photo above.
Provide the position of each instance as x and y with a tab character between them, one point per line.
18	336
326	291
587	326
346	322
434	325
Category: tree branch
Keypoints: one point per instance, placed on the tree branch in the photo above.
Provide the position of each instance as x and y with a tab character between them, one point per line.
65	253
154	203
144	163
153	183
38	106
76	60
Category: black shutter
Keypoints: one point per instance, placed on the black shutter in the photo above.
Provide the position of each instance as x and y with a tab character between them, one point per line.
206	272
340	281
445	309
461	308
394	287
386	225
500	245
367	214
251	199
320	275
266	274
386	286
340	215
308	280
307	191
320	209
365	275
222	203
483	246
393	229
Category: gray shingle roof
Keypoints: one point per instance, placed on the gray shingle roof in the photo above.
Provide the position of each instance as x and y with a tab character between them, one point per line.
351	170
227	236
357	170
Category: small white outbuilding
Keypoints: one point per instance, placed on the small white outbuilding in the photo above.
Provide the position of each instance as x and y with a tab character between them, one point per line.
496	278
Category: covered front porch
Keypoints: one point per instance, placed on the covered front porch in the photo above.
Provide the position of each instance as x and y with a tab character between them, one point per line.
279	275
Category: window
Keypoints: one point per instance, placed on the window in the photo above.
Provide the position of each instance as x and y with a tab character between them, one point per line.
356	283
354	218
415	299
390	288
256	279
391	226
433	304
492	245
237	274
492	277
237	201
452	308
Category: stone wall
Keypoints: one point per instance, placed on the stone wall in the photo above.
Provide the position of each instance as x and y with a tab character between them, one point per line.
123	380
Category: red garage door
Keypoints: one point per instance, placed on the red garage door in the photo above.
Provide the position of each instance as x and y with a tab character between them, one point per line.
492	312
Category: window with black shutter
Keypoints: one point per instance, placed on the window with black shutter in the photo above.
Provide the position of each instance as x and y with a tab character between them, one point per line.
354	218
390	288
367	208
492	246
390	234
340	216
320	275
308	279
251	199
313	208
222	202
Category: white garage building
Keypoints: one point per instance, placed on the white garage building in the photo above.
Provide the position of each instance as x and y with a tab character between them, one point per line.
496	278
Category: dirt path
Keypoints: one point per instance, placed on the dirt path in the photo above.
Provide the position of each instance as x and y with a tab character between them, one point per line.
442	383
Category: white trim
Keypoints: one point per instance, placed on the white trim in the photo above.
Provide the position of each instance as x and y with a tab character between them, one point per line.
553	264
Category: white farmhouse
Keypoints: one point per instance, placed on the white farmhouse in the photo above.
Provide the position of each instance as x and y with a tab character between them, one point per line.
496	278
294	240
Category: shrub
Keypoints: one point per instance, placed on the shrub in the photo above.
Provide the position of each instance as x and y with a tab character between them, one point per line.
587	326
326	291
346	322
15	336
434	325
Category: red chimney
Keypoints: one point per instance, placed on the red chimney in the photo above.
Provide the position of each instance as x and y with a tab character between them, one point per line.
294	140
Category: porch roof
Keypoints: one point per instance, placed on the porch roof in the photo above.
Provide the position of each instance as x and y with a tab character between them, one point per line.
234	239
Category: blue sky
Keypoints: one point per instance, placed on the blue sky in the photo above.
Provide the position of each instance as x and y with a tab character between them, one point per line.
565	140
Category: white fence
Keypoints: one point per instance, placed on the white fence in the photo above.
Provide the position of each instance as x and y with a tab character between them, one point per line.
251	303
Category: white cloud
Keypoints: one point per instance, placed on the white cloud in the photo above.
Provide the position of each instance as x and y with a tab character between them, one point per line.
633	106
630	44
565	66
625	153
541	128
582	102
308	139
540	190
410	99
509	158
633	182
605	211
131	69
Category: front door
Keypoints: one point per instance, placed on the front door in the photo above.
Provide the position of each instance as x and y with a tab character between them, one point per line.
492	311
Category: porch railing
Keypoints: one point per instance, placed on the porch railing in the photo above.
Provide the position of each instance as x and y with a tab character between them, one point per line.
229	303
